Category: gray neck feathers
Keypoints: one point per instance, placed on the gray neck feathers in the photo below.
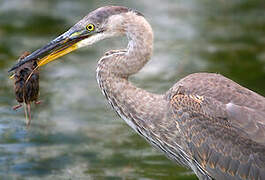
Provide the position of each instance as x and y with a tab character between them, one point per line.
136	106
139	50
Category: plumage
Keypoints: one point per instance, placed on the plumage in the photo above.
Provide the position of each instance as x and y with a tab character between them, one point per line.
224	133
203	122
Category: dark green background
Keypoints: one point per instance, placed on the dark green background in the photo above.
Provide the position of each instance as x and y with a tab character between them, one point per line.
74	133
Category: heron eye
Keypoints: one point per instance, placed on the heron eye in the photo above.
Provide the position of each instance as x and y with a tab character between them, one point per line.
90	27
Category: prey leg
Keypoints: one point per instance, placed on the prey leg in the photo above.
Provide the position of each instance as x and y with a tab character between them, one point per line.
38	102
17	106
29	114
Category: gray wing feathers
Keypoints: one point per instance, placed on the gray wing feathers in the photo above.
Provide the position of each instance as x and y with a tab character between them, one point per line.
223	125
250	121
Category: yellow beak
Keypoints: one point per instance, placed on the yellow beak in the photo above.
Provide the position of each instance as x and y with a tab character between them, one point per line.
58	47
56	54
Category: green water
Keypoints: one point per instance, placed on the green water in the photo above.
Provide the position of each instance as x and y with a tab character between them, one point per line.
74	133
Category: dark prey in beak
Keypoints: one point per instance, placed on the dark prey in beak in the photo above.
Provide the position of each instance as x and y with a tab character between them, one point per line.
26	84
60	43
40	52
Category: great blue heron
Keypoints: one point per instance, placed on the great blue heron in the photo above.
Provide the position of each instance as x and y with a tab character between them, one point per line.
205	122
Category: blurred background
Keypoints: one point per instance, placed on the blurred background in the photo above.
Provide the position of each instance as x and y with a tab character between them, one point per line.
75	134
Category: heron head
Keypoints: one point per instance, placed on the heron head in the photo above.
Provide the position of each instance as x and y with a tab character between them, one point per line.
101	23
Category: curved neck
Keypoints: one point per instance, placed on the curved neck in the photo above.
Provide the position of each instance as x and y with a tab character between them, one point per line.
136	106
140	46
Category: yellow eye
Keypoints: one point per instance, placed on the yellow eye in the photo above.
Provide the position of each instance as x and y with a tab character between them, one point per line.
90	27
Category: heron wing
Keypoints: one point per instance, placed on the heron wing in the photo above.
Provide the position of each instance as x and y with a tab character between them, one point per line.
243	108
248	120
221	89
218	136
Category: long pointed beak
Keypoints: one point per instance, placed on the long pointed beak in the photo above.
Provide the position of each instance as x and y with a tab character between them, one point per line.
58	47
